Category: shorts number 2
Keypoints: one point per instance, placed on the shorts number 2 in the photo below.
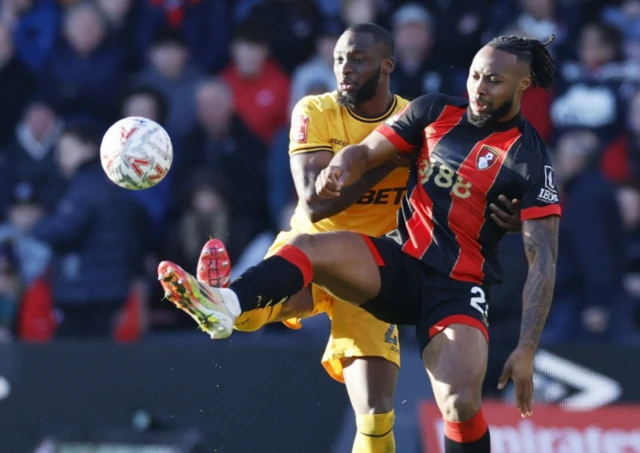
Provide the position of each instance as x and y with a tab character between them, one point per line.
479	301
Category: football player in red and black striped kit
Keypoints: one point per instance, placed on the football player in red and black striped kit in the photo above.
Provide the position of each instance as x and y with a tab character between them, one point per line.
436	269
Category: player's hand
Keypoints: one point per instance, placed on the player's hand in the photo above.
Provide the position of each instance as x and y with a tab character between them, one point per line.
330	181
519	367
509	219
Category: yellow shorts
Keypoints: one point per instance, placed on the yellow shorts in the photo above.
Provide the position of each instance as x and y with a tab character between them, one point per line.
354	332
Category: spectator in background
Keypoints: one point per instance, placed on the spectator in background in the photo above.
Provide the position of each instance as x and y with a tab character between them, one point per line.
98	238
35	317
358	11
591	254
318	70
621	160
24	212
16	85
539	19
417	72
10	289
221	144
35	26
260	88
459	27
204	23
293	40
85	72
144	101
150	103
626	18
121	18
205	214
589	90
31	156
172	72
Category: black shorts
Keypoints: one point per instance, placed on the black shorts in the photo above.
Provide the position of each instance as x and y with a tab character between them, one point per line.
414	293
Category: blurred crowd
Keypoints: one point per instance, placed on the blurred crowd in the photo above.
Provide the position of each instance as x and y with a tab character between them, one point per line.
78	254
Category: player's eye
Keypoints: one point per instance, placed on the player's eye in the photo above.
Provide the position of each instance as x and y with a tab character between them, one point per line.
338	59
495	81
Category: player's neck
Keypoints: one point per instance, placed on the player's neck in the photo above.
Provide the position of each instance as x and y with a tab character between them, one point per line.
375	107
513	113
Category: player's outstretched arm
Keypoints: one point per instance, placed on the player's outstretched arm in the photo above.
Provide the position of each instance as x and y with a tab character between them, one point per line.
348	166
306	168
541	247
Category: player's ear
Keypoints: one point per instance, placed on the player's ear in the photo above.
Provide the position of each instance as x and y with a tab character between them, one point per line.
525	82
388	65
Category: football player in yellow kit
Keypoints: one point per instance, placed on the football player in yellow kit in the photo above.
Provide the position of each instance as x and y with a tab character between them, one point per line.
363	352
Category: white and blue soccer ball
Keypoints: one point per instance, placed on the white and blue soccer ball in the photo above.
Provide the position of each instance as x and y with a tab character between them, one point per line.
136	153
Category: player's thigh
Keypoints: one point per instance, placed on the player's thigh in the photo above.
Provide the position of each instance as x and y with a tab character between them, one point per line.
454	338
456	361
343	264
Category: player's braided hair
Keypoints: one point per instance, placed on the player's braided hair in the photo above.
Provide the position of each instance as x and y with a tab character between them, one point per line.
533	52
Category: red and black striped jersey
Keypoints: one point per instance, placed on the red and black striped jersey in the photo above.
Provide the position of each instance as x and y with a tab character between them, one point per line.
459	171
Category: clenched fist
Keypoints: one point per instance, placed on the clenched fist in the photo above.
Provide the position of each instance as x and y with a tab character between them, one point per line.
330	181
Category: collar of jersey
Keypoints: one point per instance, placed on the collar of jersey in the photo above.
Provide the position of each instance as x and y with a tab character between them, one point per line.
377	119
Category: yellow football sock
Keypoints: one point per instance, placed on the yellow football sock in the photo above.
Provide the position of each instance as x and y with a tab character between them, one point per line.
252	320
375	433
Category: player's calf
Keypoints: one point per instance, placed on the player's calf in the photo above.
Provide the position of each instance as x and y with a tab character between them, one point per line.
371	385
456	360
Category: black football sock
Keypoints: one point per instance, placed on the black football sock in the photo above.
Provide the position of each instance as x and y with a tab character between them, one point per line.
274	280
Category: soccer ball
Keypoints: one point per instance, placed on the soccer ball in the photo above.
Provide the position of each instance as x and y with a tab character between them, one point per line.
136	153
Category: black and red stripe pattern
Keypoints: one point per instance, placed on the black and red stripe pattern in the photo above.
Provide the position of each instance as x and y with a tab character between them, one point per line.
461	170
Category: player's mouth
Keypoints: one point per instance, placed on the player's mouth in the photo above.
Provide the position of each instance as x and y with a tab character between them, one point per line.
479	106
347	86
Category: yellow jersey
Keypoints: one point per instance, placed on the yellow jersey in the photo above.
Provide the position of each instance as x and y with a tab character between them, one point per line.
320	123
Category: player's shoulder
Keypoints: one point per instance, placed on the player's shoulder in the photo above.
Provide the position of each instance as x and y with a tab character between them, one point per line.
318	103
531	141
431	105
442	100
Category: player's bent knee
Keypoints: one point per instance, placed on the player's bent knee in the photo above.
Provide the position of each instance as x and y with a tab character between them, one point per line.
461	403
371	384
374	404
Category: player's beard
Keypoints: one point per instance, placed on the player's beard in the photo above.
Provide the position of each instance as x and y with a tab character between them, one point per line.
363	93
489	118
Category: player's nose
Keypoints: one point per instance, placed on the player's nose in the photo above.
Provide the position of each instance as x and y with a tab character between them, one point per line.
480	88
347	69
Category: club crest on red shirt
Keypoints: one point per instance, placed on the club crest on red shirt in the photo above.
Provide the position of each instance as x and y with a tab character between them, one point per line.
486	157
299	129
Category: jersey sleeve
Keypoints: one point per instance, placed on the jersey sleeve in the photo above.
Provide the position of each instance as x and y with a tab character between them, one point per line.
308	129
405	129
540	197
